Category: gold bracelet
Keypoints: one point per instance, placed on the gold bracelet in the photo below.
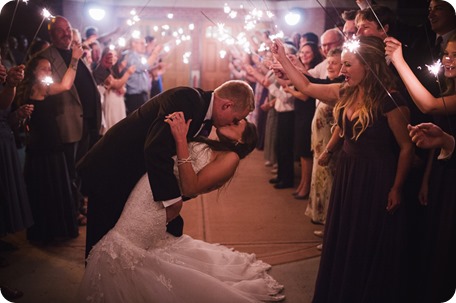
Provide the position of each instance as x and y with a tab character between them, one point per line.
73	66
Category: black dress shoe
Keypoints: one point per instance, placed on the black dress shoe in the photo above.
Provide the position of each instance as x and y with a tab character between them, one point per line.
282	185
274	181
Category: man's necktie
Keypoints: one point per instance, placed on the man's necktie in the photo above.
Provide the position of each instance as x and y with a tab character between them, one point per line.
437	51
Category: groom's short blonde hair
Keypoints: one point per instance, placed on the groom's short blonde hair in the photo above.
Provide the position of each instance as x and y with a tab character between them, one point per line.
238	91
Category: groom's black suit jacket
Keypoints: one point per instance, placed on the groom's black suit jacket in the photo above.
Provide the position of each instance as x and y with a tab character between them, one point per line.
140	143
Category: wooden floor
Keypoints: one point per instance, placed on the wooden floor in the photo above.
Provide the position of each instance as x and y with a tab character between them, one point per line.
249	215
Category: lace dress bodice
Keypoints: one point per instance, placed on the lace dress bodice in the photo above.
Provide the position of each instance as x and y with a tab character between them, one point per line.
143	221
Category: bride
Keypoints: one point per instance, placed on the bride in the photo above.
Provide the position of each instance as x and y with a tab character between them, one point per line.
137	261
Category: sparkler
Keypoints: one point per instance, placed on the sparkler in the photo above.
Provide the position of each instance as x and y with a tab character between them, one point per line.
376	17
435	69
46	15
12	19
352	45
47	80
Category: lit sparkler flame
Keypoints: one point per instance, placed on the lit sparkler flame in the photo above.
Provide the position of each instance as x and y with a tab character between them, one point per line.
352	45
46	14
435	68
47	80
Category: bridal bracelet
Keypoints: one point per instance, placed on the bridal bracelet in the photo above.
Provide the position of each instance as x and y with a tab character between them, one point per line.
183	161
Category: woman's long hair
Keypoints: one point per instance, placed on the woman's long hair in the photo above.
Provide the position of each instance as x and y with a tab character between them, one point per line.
24	89
450	86
371	54
249	142
317	57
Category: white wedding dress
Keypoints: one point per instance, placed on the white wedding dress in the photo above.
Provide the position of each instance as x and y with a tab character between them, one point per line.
137	261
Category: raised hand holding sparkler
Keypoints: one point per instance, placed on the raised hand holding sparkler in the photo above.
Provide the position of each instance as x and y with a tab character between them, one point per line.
393	50
48	86
285	69
11	79
424	100
15	75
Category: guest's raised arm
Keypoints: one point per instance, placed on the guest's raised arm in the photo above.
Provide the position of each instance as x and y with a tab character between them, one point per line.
70	74
424	100
327	92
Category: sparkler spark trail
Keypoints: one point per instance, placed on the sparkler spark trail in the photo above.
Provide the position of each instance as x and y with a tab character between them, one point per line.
46	15
435	68
12	19
352	45
376	17
218	26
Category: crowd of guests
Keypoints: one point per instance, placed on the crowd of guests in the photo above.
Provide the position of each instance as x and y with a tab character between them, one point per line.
373	139
71	91
58	98
386	204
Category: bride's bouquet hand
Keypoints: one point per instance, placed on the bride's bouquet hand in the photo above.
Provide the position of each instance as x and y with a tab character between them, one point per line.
179	127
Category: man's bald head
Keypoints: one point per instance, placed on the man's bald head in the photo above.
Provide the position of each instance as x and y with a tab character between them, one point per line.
60	32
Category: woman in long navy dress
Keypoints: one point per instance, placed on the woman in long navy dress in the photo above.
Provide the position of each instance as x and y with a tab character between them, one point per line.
46	175
362	249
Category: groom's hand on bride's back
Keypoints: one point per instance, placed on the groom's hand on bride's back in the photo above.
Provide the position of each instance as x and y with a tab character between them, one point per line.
173	211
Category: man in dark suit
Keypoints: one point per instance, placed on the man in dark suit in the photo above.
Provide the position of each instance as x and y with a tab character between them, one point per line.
143	143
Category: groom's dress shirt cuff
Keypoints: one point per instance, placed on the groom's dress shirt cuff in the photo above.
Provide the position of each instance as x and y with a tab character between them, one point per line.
171	202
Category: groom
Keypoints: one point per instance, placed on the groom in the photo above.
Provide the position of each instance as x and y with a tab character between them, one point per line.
142	143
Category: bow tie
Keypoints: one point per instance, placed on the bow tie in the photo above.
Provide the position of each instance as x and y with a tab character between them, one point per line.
205	128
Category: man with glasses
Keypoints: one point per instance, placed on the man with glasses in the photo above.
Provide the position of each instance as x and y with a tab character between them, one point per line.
330	39
349	28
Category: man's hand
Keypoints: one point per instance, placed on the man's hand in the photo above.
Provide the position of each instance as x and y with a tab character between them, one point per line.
173	211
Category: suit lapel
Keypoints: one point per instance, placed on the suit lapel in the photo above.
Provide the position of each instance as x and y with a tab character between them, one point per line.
60	68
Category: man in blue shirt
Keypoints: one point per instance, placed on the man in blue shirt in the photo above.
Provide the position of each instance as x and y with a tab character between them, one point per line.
138	85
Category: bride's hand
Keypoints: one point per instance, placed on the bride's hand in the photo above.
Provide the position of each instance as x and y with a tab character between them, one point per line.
179	127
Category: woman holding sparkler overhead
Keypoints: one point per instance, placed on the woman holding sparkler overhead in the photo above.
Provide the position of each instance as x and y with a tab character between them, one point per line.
45	172
361	255
437	191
